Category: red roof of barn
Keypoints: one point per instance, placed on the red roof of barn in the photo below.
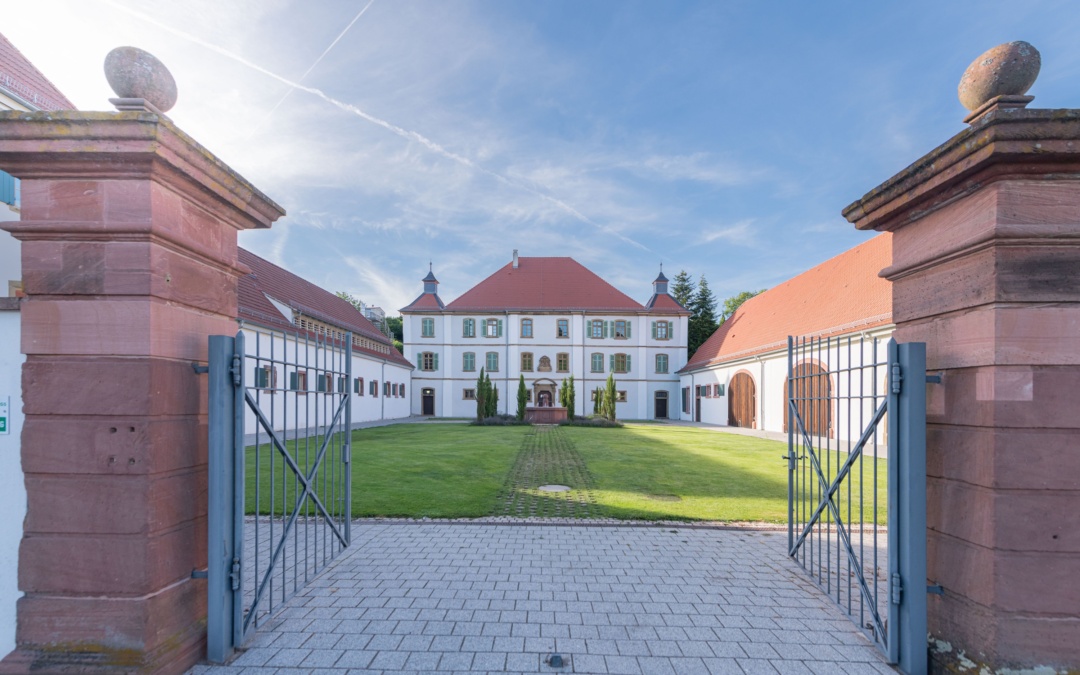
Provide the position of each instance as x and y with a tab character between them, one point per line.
838	296
267	279
543	284
20	78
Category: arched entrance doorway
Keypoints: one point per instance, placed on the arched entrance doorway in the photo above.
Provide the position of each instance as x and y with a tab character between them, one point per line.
544	391
813	393
742	401
427	401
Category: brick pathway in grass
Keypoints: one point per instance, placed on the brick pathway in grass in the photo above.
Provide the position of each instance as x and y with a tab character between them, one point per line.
548	457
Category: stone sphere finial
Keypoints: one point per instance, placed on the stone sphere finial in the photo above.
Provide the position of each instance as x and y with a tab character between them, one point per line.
1006	70
140	80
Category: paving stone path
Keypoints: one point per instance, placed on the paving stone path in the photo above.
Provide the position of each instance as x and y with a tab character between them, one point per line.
417	597
548	457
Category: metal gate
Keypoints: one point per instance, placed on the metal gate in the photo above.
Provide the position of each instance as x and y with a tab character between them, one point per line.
856	410
280	480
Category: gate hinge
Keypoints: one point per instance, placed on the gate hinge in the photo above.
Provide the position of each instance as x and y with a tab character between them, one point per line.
896	377
234	576
237	373
346	453
896	589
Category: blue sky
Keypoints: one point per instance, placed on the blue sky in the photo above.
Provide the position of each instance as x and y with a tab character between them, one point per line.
717	137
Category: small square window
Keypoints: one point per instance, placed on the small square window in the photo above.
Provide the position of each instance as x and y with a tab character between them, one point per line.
468	394
358	386
620	397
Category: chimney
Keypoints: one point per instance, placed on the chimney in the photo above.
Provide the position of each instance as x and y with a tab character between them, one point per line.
515	259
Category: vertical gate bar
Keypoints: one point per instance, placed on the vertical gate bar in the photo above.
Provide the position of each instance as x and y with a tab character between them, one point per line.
911	498
850	367
239	407
348	440
791	444
220	542
893	512
862	470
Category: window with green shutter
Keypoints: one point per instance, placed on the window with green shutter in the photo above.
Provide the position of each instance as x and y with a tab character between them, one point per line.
468	328
427	327
468	362
661	330
597	362
358	386
493	362
661	363
620	363
429	361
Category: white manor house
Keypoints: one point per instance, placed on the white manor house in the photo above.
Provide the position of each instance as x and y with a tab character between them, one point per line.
545	318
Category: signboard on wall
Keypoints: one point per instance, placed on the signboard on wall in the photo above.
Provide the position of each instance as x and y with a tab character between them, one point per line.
5	415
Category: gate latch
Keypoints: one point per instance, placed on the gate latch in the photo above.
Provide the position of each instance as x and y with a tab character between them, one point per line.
896	378
896	589
234	576
346	453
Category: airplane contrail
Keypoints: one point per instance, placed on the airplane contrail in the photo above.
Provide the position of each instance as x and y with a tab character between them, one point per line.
307	72
393	128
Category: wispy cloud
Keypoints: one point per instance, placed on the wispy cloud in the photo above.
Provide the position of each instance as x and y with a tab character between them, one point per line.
698	167
741	233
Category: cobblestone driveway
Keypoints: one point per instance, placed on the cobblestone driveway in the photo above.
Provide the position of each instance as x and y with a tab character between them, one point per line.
500	598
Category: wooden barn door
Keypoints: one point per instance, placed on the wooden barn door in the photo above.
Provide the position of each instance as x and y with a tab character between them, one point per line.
813	392
742	401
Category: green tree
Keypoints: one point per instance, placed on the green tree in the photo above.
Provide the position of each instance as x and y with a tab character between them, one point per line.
597	401
493	401
703	321
393	324
733	303
682	289
352	300
571	395
610	397
481	396
523	395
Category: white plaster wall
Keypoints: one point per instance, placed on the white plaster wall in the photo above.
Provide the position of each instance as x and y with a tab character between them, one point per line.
451	379
12	487
285	412
769	372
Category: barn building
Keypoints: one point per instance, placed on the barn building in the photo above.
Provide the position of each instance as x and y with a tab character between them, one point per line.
738	377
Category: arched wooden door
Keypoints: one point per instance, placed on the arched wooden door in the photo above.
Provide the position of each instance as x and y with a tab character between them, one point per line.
742	401
813	395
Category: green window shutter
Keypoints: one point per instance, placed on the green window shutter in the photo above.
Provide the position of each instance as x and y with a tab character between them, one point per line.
670	329
605	330
628	363
612	359
293	384
419	361
499	334
628	329
436	364
654	330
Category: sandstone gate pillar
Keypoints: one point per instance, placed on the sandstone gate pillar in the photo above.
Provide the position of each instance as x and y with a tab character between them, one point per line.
129	262
986	271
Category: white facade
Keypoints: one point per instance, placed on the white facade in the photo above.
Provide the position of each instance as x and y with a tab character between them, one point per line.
769	373
12	487
449	379
268	348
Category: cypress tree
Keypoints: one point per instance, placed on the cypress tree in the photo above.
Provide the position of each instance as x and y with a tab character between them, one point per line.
523	394
570	396
493	409
610	396
598	401
481	396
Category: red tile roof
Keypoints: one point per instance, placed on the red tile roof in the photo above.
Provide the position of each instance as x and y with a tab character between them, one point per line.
267	279
665	304
838	296
544	284
425	301
20	78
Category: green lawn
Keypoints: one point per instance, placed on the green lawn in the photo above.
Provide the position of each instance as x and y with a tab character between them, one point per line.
651	472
